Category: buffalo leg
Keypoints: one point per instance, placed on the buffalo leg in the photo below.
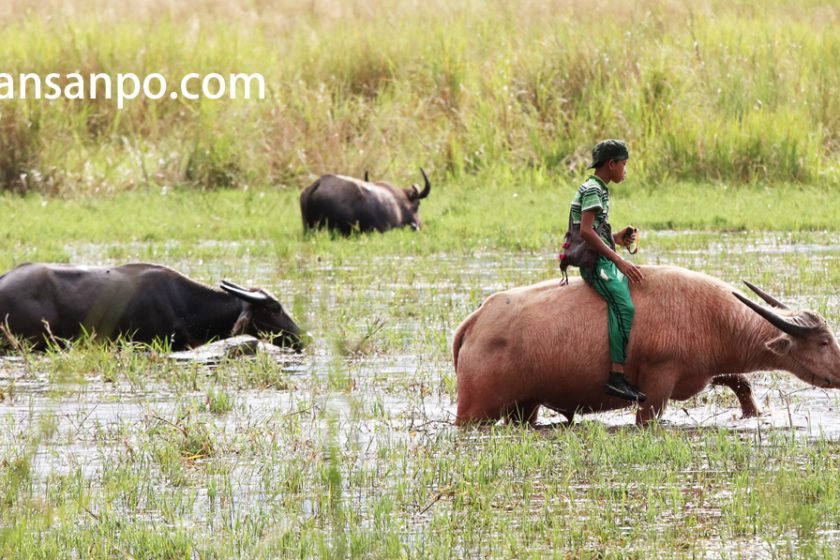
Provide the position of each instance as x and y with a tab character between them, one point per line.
523	412
658	384
467	415
476	405
742	388
569	414
649	411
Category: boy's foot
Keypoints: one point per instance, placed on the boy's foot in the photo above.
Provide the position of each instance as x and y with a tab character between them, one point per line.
618	386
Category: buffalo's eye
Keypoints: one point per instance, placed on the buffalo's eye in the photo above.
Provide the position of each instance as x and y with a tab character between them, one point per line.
824	343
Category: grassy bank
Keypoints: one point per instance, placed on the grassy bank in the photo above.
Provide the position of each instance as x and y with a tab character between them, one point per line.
496	211
726	91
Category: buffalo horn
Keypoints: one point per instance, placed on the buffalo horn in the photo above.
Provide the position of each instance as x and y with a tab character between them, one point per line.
765	296
425	192
230	284
242	293
795	325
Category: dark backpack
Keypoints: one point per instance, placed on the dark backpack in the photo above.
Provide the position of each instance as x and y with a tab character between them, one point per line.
577	252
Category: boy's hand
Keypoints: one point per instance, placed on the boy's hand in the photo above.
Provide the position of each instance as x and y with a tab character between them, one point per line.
630	270
627	237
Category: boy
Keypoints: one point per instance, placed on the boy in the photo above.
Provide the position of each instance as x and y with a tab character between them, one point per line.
590	208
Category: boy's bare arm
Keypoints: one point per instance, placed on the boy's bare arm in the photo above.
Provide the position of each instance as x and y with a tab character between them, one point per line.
630	270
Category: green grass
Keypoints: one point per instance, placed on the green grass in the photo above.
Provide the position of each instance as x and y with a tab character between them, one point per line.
581	492
524	211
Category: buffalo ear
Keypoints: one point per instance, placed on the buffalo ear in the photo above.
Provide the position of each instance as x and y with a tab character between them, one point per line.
780	345
242	322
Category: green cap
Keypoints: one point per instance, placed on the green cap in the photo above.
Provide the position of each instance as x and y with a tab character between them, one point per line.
607	150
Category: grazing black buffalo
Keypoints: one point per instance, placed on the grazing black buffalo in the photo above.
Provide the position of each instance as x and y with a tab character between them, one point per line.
144	302
345	204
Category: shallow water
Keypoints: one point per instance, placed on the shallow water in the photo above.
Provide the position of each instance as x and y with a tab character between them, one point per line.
456	284
379	363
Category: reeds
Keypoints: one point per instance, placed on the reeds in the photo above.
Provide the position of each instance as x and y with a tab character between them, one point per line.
721	92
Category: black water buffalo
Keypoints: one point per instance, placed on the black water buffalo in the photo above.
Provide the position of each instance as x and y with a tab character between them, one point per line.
144	302
345	204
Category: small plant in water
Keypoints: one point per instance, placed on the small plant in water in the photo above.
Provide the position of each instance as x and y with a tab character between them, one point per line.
349	343
217	401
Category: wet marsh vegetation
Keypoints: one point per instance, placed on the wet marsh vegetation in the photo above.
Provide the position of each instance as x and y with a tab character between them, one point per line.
347	450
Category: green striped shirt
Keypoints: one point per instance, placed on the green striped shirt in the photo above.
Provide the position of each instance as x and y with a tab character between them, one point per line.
593	194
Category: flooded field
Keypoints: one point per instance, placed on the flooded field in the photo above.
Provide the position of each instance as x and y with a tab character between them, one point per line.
348	449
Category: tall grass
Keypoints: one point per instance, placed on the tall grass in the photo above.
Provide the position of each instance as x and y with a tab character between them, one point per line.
727	91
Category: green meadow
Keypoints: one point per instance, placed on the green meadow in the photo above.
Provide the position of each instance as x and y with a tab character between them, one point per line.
731	111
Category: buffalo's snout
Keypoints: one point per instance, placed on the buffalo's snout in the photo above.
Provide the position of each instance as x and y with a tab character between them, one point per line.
292	338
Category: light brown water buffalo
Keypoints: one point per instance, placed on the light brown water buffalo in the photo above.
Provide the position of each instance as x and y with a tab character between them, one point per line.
546	344
345	204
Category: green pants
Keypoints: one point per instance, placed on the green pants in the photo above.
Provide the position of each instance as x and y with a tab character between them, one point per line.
615	289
